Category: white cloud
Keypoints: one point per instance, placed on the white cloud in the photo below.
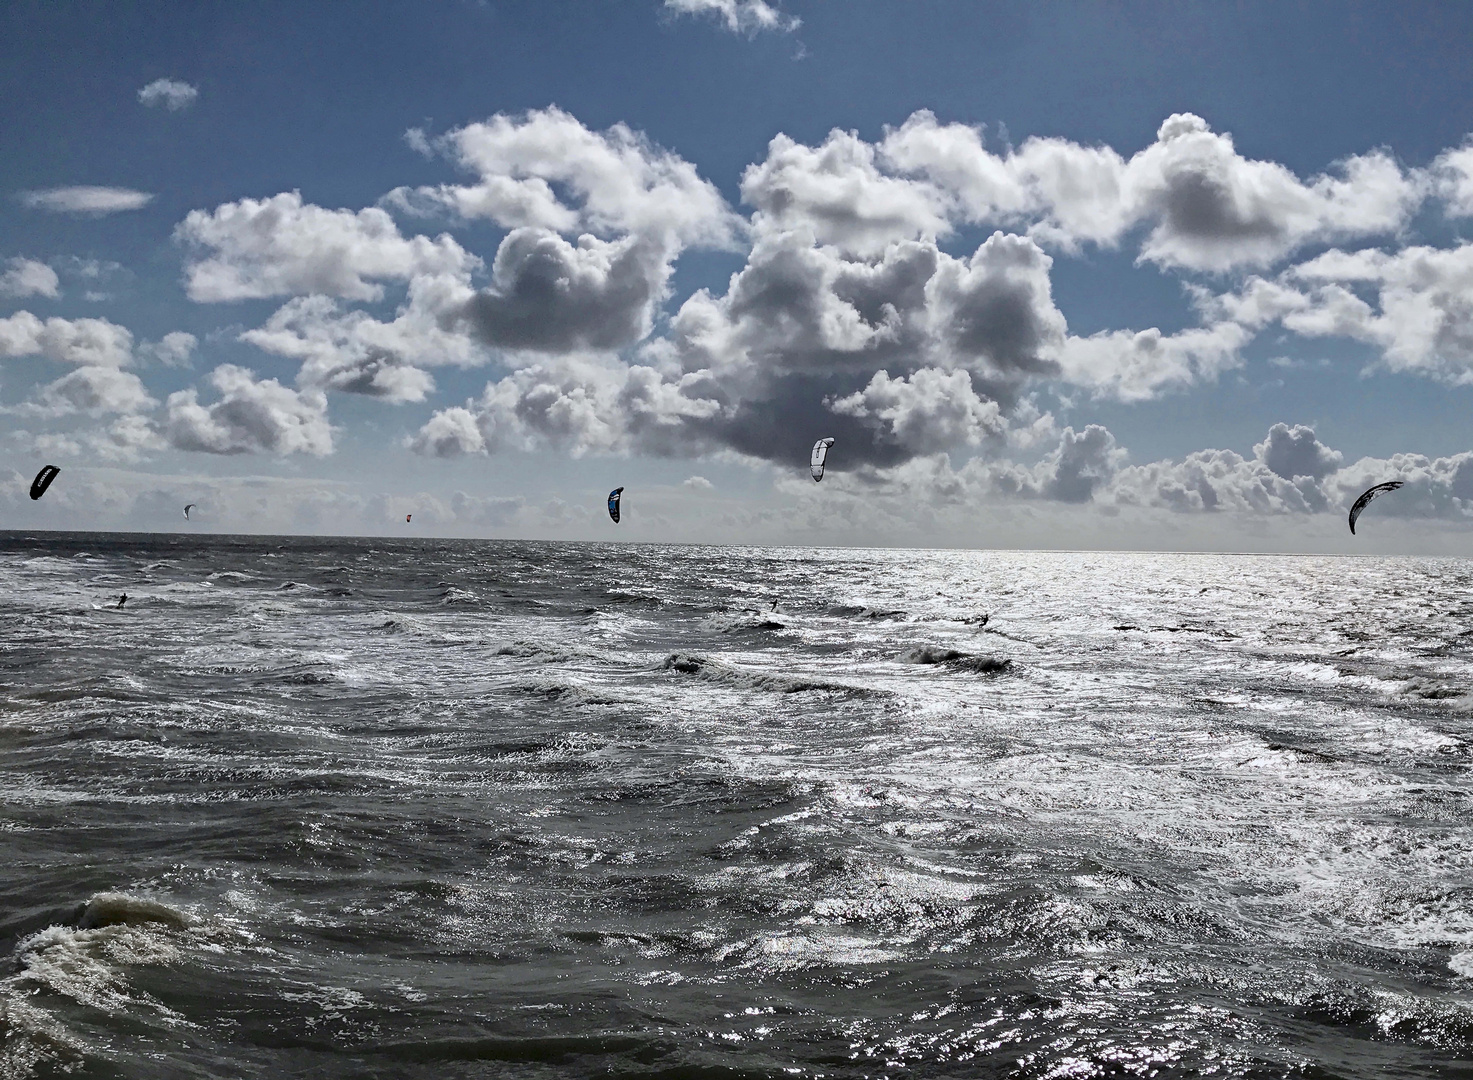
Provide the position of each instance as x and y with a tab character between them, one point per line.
1207	207
1217	480
449	433
129	437
252	416
928	411
1415	305
698	483
172	350
94	342
281	246
977	185
97	390
353	352
172	94
86	200
1425	298
1453	171
839	192
1140	365
616	182
579	405
1082	463
27	277
739	16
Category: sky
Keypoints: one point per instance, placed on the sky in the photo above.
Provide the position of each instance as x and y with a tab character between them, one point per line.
1164	276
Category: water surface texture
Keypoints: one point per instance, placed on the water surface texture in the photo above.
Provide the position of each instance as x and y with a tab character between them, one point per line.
453	809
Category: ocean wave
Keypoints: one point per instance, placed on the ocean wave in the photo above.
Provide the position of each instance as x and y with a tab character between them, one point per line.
125	909
567	693
956	660
749	621
715	671
544	652
861	611
455	595
232	577
88	962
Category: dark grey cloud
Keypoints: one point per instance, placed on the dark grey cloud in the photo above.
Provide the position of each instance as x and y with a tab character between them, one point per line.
549	295
1297	451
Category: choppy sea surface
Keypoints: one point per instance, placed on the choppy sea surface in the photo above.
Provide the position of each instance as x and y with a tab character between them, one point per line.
335	808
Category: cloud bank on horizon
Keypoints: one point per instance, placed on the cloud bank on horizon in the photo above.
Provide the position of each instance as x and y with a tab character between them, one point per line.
897	294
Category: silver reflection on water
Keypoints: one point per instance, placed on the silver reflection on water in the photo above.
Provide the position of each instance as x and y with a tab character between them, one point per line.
451	808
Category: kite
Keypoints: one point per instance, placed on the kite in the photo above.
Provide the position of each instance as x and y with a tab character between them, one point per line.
820	455
614	503
1366	497
43	481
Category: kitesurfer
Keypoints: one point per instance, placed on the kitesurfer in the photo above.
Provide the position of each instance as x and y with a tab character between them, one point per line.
122	600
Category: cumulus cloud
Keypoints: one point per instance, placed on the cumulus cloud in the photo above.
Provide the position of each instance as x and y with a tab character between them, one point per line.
1295	452
171	94
1137	366
353	352
739	16
172	350
801	324
997	310
280	246
449	433
94	342
1215	210
1206	206
839	192
1423	316
1415	305
848	316
27	277
1081	463
582	405
614	182
1453	171
96	201
251	416
928	411
549	295
1289	473
97	390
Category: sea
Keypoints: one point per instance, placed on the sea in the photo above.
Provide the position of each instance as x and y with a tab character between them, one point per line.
308	807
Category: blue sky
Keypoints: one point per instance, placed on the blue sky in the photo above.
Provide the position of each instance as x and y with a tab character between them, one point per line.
313	267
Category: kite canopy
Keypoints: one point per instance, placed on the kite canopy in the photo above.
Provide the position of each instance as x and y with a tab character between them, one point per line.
43	481
614	503
408	516
820	455
187	508
1366	497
